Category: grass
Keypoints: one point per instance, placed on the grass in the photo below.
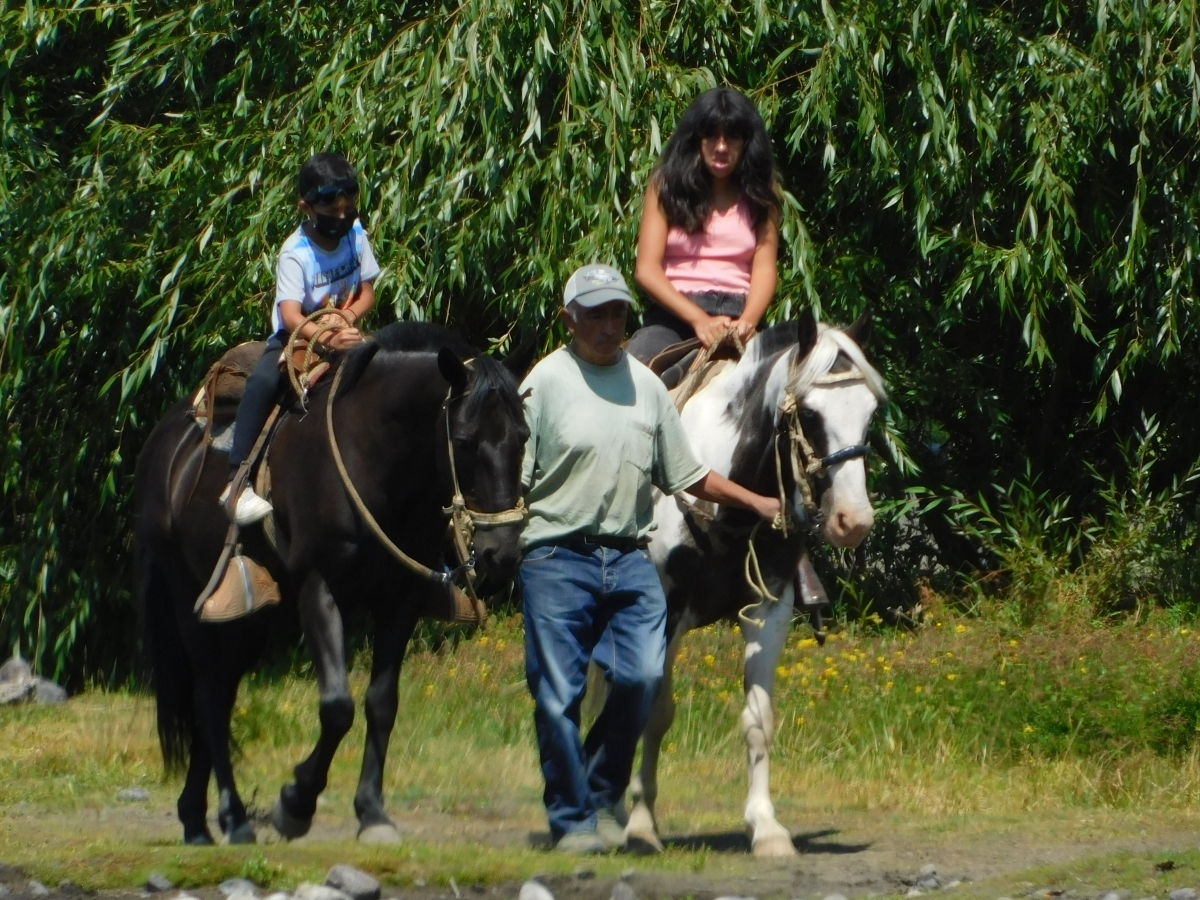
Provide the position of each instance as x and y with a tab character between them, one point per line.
962	731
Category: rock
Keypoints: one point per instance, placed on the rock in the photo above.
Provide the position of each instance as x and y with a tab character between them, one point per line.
353	882
953	884
242	895
37	889
928	869
929	883
915	892
534	890
141	795
233	885
1182	894
15	669
627	874
835	897
733	897
67	886
185	897
13	692
419	882
622	891
319	892
4	891
47	693
278	895
585	874
157	882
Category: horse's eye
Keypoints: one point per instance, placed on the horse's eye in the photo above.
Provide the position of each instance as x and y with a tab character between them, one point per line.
808	414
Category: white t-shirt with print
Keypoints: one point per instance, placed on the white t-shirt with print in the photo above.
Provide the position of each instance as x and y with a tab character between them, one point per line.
316	277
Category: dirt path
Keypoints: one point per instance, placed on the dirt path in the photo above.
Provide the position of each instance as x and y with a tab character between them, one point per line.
855	854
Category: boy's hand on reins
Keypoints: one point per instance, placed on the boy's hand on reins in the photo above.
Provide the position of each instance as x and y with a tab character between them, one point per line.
345	338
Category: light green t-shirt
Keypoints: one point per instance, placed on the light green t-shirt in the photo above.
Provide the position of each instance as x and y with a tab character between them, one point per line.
599	437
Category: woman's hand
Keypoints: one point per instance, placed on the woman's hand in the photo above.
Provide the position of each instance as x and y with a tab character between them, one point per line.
745	329
710	328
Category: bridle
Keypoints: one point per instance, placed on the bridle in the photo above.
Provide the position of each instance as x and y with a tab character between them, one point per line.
806	465
463	520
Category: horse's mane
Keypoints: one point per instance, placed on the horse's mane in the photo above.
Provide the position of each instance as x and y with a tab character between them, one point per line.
830	344
488	378
418	337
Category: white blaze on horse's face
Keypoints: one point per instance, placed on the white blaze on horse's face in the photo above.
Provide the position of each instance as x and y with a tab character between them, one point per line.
845	409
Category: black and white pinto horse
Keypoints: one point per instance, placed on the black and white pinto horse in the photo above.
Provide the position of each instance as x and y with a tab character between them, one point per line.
741	424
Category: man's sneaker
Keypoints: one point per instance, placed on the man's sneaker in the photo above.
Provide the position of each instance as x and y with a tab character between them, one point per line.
250	506
581	843
610	830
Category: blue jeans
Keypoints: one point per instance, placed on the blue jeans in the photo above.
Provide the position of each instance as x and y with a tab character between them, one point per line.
608	606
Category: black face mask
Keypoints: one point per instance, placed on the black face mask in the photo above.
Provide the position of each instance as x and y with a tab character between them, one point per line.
335	227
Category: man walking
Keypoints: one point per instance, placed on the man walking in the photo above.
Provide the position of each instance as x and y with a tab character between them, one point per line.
603	433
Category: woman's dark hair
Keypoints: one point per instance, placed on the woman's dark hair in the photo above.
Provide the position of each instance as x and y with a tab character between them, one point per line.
684	182
325	168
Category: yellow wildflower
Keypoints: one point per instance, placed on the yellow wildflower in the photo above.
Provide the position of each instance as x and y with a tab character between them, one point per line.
918	689
889	685
484	640
960	629
1029	729
429	690
709	659
951	677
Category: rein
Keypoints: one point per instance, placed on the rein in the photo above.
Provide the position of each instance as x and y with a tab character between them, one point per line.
464	521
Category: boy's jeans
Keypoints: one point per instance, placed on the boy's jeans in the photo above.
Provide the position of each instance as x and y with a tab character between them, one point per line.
607	605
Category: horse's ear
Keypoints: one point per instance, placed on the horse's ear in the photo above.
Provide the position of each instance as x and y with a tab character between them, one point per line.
860	331
806	332
521	357
355	364
453	369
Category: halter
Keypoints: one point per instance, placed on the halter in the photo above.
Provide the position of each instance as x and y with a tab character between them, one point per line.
806	465
464	521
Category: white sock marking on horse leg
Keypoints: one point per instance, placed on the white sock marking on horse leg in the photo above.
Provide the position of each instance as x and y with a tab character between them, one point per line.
643	787
763	646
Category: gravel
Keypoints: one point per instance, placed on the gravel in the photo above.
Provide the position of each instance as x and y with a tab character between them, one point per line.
157	883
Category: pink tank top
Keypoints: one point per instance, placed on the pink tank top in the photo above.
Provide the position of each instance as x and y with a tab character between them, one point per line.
715	259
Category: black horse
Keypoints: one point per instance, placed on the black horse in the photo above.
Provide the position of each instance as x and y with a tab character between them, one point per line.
389	418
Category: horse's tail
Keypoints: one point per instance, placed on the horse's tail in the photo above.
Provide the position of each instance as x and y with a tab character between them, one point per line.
172	672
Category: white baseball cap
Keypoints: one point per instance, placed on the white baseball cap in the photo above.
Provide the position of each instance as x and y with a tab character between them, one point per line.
594	284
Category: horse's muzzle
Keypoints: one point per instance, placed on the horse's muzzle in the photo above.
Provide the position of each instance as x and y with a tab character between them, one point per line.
497	555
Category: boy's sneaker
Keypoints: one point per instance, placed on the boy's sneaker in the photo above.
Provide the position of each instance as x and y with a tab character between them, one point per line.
250	507
581	843
610	830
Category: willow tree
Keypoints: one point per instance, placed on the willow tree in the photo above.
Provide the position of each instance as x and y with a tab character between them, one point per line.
1010	186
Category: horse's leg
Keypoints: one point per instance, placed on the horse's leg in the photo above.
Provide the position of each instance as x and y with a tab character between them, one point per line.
215	697
642	828
764	643
322	623
193	800
393	628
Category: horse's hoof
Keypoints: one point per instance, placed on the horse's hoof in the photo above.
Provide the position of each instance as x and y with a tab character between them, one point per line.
289	827
383	833
204	839
642	843
774	846
641	834
243	834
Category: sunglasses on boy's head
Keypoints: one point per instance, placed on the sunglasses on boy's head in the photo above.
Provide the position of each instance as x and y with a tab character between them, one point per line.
328	193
